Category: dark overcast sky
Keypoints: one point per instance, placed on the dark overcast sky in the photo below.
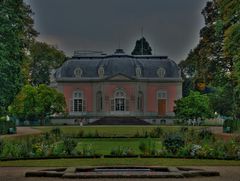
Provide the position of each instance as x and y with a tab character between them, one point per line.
171	26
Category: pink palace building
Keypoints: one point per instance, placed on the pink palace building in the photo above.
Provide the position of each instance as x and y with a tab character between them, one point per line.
97	85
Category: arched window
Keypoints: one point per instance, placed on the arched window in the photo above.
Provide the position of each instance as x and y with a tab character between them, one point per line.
101	72
161	72
78	72
140	101
138	72
162	95
120	103
99	101
78	102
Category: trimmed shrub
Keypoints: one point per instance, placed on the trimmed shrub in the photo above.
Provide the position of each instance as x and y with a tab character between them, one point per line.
229	125
5	127
173	143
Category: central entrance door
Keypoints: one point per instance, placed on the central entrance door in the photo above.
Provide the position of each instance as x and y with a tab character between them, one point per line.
161	107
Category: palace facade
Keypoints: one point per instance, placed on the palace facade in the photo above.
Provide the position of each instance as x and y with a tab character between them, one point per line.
97	85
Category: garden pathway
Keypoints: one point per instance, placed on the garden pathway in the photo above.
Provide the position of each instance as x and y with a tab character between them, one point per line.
218	131
22	131
227	173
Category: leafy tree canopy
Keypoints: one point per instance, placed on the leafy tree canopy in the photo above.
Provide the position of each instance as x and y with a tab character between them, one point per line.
216	59
37	103
16	33
142	47
44	57
194	106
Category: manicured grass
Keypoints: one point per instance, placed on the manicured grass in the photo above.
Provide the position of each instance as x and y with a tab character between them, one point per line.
111	131
105	145
118	161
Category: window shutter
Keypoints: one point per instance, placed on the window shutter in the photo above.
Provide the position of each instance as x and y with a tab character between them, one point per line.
112	104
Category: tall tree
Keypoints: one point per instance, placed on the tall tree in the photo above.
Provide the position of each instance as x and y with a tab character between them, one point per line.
16	32
193	106
43	58
142	47
216	58
37	103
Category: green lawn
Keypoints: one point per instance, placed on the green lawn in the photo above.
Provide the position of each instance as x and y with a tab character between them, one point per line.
105	145
118	161
110	131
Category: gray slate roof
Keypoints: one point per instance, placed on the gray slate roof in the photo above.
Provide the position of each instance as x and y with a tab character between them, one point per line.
118	64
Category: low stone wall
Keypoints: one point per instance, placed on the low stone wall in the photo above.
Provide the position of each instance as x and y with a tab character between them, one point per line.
71	121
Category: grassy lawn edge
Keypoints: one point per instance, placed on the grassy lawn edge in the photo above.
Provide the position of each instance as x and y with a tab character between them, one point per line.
118	161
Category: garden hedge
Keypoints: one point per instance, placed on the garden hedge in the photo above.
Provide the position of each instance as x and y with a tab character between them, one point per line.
5	127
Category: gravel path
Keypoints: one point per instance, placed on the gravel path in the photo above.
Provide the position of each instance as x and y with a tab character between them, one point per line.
17	173
218	131
22	131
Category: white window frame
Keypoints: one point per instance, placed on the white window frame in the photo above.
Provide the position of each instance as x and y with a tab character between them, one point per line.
78	96
120	95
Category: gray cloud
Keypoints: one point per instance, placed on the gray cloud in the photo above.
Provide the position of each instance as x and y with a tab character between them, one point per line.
171	26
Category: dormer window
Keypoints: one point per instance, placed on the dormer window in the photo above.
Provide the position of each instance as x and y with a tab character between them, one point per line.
101	72
161	72
138	72
78	72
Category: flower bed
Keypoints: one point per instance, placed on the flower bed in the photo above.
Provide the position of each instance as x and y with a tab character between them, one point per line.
184	143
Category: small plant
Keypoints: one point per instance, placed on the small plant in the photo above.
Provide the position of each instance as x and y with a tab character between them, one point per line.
80	133
148	147
96	134
85	150
183	129
58	149
173	143
145	134
137	135
121	151
56	132
205	134
195	149
69	145
89	135
156	132
1	146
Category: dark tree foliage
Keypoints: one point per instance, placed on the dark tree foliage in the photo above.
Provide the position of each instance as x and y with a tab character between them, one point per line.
216	59
44	57
37	102
16	33
142	47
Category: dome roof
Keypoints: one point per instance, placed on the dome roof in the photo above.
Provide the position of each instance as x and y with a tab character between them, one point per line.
104	66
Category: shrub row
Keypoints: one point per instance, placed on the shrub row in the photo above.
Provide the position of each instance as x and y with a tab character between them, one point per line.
5	127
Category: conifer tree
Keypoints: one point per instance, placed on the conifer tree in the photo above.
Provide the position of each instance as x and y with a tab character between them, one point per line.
142	47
